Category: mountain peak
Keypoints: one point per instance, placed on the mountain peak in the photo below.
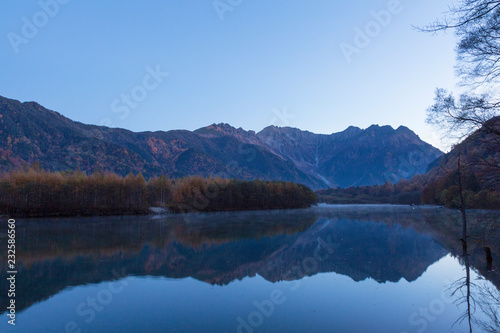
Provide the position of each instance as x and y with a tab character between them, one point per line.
376	127
286	130
351	130
354	157
29	132
219	129
406	130
226	130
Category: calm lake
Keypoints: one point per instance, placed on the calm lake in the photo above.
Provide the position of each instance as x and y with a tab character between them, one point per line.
324	269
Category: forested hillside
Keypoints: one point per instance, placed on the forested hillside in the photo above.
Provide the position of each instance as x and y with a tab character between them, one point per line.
36	192
476	160
31	133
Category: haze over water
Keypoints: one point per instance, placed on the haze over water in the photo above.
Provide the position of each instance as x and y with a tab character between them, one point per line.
324	269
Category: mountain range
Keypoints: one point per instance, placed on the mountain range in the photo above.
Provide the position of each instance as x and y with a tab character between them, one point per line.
478	153
219	252
29	132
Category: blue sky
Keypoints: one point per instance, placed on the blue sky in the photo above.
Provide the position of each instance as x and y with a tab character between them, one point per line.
249	63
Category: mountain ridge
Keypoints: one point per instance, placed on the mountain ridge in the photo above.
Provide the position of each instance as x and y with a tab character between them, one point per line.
30	132
341	158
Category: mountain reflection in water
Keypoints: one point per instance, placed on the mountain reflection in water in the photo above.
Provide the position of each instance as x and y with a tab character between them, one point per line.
385	244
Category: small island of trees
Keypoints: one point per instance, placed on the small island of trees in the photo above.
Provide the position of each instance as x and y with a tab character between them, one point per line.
36	192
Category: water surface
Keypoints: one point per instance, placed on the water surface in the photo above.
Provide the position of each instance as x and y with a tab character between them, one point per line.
325	269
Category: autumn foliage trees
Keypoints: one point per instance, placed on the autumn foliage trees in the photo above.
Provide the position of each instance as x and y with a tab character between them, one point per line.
36	192
402	193
444	191
215	194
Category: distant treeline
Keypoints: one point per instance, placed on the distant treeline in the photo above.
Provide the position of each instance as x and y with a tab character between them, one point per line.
402	193
35	192
443	192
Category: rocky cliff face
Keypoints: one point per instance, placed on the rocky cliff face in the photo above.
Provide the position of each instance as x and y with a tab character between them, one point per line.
29	133
32	133
354	157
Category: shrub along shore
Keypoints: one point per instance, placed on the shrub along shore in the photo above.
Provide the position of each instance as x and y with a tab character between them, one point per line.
35	192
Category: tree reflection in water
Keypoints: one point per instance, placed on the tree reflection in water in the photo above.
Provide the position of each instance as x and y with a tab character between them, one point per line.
478	298
388	245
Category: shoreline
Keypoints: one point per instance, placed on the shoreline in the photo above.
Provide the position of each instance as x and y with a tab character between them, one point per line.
168	213
149	213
